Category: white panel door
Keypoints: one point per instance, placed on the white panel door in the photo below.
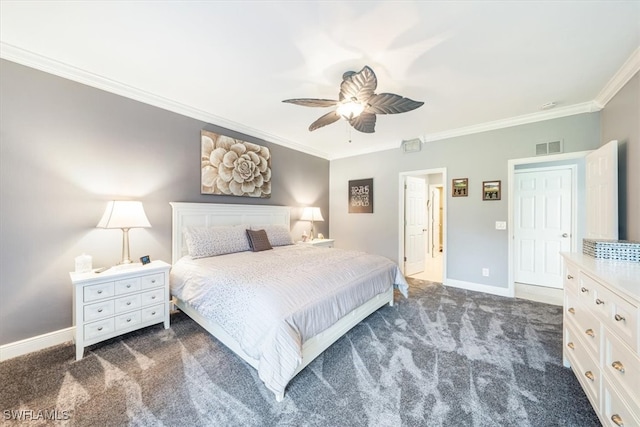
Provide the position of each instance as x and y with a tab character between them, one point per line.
414	211
542	229
602	192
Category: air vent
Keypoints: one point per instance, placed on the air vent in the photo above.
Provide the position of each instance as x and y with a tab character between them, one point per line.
545	148
412	145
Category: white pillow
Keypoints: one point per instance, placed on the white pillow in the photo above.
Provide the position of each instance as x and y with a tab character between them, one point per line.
211	241
278	234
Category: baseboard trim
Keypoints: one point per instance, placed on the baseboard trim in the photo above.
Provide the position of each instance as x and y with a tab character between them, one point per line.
478	287
547	295
40	342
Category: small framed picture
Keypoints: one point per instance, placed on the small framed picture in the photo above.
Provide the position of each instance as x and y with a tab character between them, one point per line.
361	196
459	187
490	190
145	259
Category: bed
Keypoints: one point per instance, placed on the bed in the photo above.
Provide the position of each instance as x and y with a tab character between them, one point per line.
277	309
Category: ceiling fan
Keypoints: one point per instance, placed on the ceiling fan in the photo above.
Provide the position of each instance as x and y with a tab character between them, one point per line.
357	103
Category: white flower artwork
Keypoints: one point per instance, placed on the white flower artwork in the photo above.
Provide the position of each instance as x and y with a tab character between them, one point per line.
234	167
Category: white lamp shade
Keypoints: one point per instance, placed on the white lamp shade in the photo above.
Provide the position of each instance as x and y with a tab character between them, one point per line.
311	214
124	214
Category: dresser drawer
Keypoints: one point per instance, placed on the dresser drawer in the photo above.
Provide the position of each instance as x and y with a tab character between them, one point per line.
586	289
98	310
153	313
623	321
615	410
622	365
152	280
101	327
586	370
589	329
128	320
571	278
152	297
127	285
126	303
97	292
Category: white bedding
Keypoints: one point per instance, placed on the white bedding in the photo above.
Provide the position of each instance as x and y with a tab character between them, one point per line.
270	302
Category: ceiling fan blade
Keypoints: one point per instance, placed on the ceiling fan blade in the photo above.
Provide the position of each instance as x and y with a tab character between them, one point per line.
360	85
365	122
389	103
327	119
311	102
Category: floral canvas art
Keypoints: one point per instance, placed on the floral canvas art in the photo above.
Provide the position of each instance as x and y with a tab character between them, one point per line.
234	167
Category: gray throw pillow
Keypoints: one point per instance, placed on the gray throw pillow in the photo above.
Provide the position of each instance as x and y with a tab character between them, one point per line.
258	240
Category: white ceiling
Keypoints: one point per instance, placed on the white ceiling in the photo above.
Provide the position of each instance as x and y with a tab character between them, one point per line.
476	65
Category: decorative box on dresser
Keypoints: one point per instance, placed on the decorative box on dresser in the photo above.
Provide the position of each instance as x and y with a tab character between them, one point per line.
601	340
119	300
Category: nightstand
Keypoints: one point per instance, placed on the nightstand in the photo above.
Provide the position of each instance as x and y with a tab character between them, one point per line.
327	243
119	300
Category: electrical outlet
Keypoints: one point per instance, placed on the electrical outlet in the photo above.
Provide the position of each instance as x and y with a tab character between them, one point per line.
485	272
501	225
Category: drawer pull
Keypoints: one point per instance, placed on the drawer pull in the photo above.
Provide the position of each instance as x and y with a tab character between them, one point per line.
599	301
570	345
128	285
99	291
153	297
569	276
100	328
128	302
583	289
153	313
99	310
617	419
572	310
590	333
153	281
618	366
618	318
589	375
128	320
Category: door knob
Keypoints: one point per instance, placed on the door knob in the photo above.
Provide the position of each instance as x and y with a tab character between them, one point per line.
565	235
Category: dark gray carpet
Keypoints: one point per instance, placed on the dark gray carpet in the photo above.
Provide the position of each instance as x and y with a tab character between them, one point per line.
443	357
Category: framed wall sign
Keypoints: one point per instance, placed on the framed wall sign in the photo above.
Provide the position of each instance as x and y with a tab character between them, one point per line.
361	196
459	187
490	190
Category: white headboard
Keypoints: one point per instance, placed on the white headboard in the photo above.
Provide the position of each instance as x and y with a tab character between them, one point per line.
212	214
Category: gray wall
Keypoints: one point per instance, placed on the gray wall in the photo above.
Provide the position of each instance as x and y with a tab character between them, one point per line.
621	121
65	150
473	242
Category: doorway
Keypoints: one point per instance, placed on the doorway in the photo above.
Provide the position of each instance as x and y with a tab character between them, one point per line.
422	215
535	265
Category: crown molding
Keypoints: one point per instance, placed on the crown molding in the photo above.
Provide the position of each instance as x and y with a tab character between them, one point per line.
585	107
619	79
61	69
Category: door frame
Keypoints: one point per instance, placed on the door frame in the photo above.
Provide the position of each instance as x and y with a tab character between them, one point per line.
511	166
401	181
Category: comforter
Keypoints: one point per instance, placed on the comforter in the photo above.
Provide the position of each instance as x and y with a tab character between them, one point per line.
272	301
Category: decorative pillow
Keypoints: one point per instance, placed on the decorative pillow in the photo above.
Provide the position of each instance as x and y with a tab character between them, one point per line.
258	240
278	234
211	241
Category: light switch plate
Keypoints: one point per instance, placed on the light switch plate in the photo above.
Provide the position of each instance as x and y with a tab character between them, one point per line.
501	225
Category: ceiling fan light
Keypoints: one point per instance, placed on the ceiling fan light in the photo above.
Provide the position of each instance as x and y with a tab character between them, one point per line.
350	109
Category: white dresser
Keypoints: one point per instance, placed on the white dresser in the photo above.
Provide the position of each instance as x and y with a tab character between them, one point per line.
119	300
601	340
